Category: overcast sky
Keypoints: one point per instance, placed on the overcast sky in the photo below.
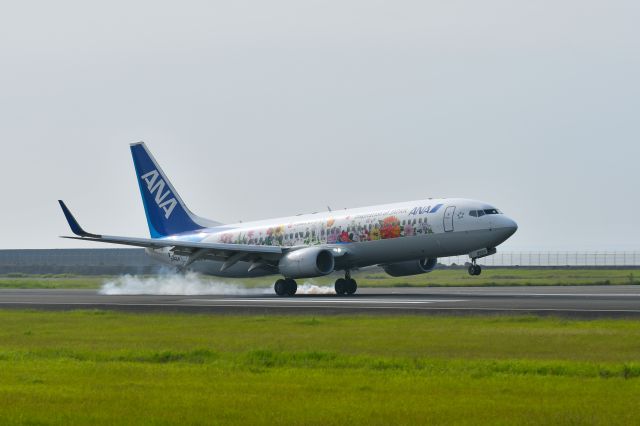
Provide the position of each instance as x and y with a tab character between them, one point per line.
262	109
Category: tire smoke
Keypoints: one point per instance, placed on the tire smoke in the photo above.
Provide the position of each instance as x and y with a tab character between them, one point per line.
192	284
309	287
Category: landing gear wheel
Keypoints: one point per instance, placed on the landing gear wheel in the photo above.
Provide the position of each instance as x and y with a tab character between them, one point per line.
292	286
341	286
474	269
351	286
280	287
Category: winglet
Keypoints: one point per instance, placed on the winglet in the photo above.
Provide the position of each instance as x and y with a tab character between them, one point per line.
73	223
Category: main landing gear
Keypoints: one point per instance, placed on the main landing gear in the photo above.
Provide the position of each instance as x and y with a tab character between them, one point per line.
346	285
286	287
289	287
474	268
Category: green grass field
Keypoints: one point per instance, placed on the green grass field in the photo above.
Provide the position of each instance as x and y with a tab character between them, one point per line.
51	281
439	278
106	367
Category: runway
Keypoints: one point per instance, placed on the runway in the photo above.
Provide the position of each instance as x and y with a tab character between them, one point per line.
577	301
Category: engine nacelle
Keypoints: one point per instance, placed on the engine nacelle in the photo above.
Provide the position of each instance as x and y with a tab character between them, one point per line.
410	267
307	262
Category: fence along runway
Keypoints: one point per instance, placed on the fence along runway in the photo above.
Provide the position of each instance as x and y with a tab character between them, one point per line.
572	301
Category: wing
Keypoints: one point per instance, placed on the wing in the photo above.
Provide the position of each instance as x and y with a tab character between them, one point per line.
259	256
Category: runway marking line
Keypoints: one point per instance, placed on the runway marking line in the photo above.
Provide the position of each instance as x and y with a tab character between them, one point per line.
303	301
425	308
490	294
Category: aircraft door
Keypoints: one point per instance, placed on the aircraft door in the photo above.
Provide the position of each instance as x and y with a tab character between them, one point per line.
448	218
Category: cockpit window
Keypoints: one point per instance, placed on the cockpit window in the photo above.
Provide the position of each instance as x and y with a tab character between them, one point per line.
480	213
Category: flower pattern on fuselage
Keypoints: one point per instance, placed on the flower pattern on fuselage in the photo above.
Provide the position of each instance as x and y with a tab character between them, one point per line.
332	231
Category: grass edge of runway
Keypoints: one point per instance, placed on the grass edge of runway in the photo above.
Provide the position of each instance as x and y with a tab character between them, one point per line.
100	366
491	277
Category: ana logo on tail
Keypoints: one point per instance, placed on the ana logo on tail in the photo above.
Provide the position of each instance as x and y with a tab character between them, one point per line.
158	187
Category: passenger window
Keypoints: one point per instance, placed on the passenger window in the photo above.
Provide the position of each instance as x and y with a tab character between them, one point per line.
473	213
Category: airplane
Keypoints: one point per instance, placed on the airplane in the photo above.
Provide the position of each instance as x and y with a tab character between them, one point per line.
403	238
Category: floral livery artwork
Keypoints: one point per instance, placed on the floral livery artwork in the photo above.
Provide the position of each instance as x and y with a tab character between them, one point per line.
390	228
382	229
334	230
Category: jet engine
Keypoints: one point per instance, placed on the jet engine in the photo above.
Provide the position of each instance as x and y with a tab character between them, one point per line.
307	262
410	267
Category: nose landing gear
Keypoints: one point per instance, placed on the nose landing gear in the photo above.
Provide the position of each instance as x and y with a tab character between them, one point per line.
346	285
474	268
285	287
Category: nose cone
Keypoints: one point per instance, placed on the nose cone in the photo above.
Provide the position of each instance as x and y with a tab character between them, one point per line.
509	225
504	228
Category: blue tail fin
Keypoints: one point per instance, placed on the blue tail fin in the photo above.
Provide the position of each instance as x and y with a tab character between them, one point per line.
166	212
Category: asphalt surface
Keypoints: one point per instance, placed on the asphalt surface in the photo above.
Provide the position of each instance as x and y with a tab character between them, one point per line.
583	301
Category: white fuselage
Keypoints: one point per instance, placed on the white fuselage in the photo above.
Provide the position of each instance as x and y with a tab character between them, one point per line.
382	234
